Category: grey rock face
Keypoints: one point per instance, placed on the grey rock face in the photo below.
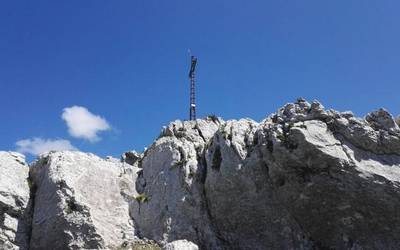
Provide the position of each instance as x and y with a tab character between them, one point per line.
382	119
171	180
131	158
14	201
242	204
304	178
181	245
81	202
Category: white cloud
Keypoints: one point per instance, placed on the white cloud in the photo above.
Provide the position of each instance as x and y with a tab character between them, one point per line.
37	146
83	124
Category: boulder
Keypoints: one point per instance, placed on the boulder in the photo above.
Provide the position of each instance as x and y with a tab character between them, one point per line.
382	119
131	158
81	202
181	245
15	204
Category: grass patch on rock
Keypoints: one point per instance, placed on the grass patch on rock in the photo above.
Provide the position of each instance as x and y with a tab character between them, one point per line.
139	246
142	198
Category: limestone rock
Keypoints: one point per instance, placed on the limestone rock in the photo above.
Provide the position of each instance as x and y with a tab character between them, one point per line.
14	201
131	158
172	182
81	202
303	178
181	245
382	119
242	203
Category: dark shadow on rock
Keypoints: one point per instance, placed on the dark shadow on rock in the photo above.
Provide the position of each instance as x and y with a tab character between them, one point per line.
344	209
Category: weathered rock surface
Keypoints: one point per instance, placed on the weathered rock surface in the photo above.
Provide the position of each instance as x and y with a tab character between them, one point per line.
181	245
171	179
303	178
14	201
131	157
81	202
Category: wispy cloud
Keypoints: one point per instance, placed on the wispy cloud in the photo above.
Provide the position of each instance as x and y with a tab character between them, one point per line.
37	146
83	124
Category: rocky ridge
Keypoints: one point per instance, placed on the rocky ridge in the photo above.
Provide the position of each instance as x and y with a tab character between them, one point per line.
15	203
303	178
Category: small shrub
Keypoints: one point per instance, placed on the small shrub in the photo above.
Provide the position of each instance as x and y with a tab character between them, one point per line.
145	246
30	183
303	126
213	118
139	246
141	198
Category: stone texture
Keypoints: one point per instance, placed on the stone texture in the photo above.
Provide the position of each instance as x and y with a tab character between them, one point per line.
303	178
181	245
14	201
81	202
131	158
242	205
171	180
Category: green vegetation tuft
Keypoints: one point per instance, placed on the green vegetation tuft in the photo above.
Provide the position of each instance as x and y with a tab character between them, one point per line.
142	198
139	246
30	183
301	126
213	118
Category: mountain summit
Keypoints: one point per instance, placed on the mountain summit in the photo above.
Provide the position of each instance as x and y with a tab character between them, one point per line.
303	178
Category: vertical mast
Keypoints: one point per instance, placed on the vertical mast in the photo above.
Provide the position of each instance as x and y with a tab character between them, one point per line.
192	110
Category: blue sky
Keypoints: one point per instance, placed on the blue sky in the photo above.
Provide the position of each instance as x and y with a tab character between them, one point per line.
127	63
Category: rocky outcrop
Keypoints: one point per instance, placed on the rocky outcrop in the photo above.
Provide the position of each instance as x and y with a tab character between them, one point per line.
81	202
335	181
303	178
131	157
171	180
14	201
